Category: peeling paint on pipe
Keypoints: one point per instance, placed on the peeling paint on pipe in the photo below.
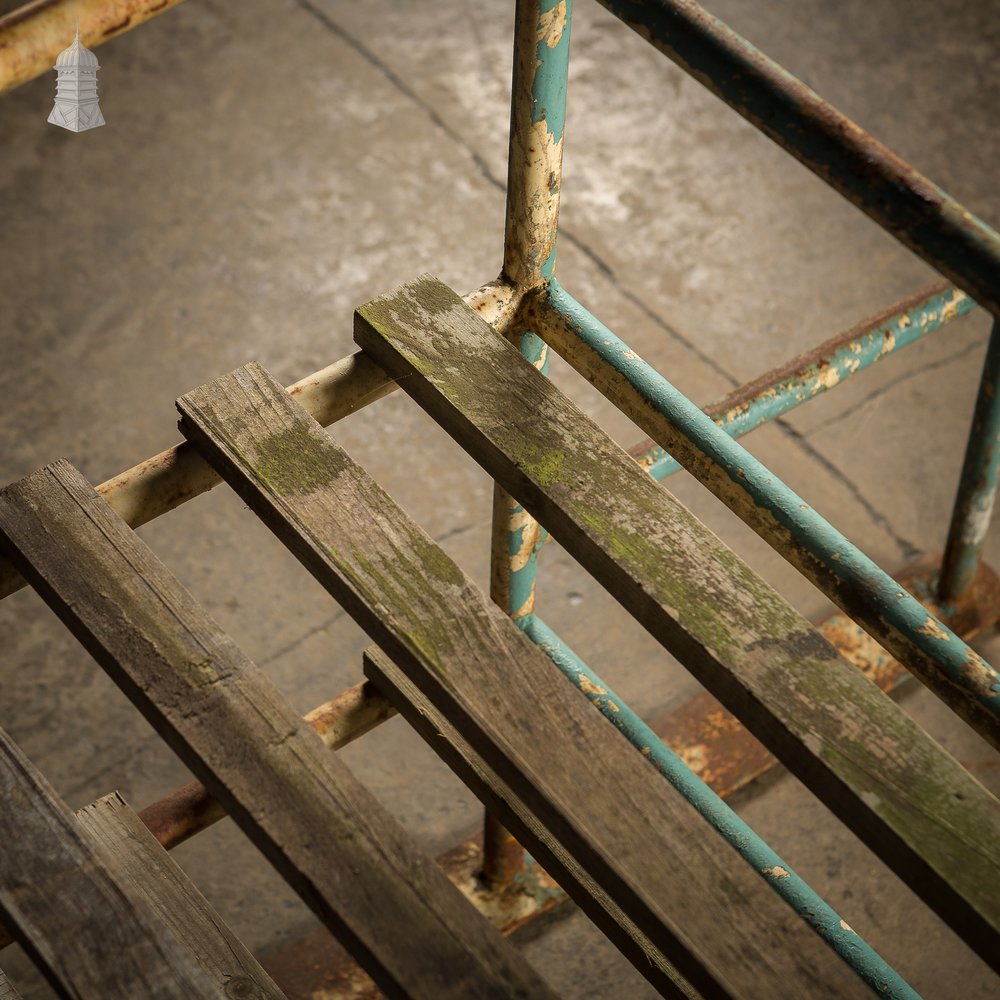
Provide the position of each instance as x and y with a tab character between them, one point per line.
932	652
859	955
977	485
33	35
886	188
538	115
796	381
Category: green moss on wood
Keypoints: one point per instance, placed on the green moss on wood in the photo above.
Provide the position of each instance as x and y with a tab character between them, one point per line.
290	462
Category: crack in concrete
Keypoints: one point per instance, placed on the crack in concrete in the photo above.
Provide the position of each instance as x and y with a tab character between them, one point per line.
906	547
882	390
373	60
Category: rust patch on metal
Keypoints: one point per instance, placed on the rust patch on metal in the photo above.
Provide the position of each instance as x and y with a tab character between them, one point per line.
121	25
181	814
713	743
316	967
979	675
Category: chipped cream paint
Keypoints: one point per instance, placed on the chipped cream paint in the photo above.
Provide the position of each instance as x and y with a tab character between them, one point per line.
588	687
552	24
977	520
777	872
527	607
932	628
980	676
535	155
526	527
845	926
826	379
950	310
890	340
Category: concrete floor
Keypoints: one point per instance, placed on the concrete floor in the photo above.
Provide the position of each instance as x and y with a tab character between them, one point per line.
268	165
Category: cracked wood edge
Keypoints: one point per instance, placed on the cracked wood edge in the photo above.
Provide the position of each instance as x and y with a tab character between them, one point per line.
68	904
907	798
348	859
176	899
630	831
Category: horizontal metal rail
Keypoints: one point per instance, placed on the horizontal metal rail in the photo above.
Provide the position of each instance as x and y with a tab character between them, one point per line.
775	393
33	35
977	485
190	809
884	186
795	530
869	965
179	474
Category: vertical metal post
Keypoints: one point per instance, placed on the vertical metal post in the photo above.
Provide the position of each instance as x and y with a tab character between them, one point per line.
534	173
977	486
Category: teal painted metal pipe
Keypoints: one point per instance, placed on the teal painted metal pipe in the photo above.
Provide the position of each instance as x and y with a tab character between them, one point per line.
538	119
857	585
801	379
900	199
858	954
522	552
977	486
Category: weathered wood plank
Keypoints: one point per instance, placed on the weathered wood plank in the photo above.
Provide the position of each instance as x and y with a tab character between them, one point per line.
446	741
913	804
631	833
394	910
175	899
68	905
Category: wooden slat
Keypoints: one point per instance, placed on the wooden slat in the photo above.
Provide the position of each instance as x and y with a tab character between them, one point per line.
7	992
501	799
913	804
175	899
639	842
71	909
394	910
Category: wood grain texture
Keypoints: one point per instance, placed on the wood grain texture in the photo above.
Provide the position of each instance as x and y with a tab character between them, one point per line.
638	841
912	803
7	992
175	899
394	910
446	741
72	910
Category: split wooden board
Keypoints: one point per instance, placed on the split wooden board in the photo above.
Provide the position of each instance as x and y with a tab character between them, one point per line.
394	910
912	803
190	918
640	843
66	901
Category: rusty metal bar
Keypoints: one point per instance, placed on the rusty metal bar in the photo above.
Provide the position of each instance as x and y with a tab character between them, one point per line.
886	188
534	172
773	394
830	926
190	809
977	485
33	35
179	474
537	118
930	650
